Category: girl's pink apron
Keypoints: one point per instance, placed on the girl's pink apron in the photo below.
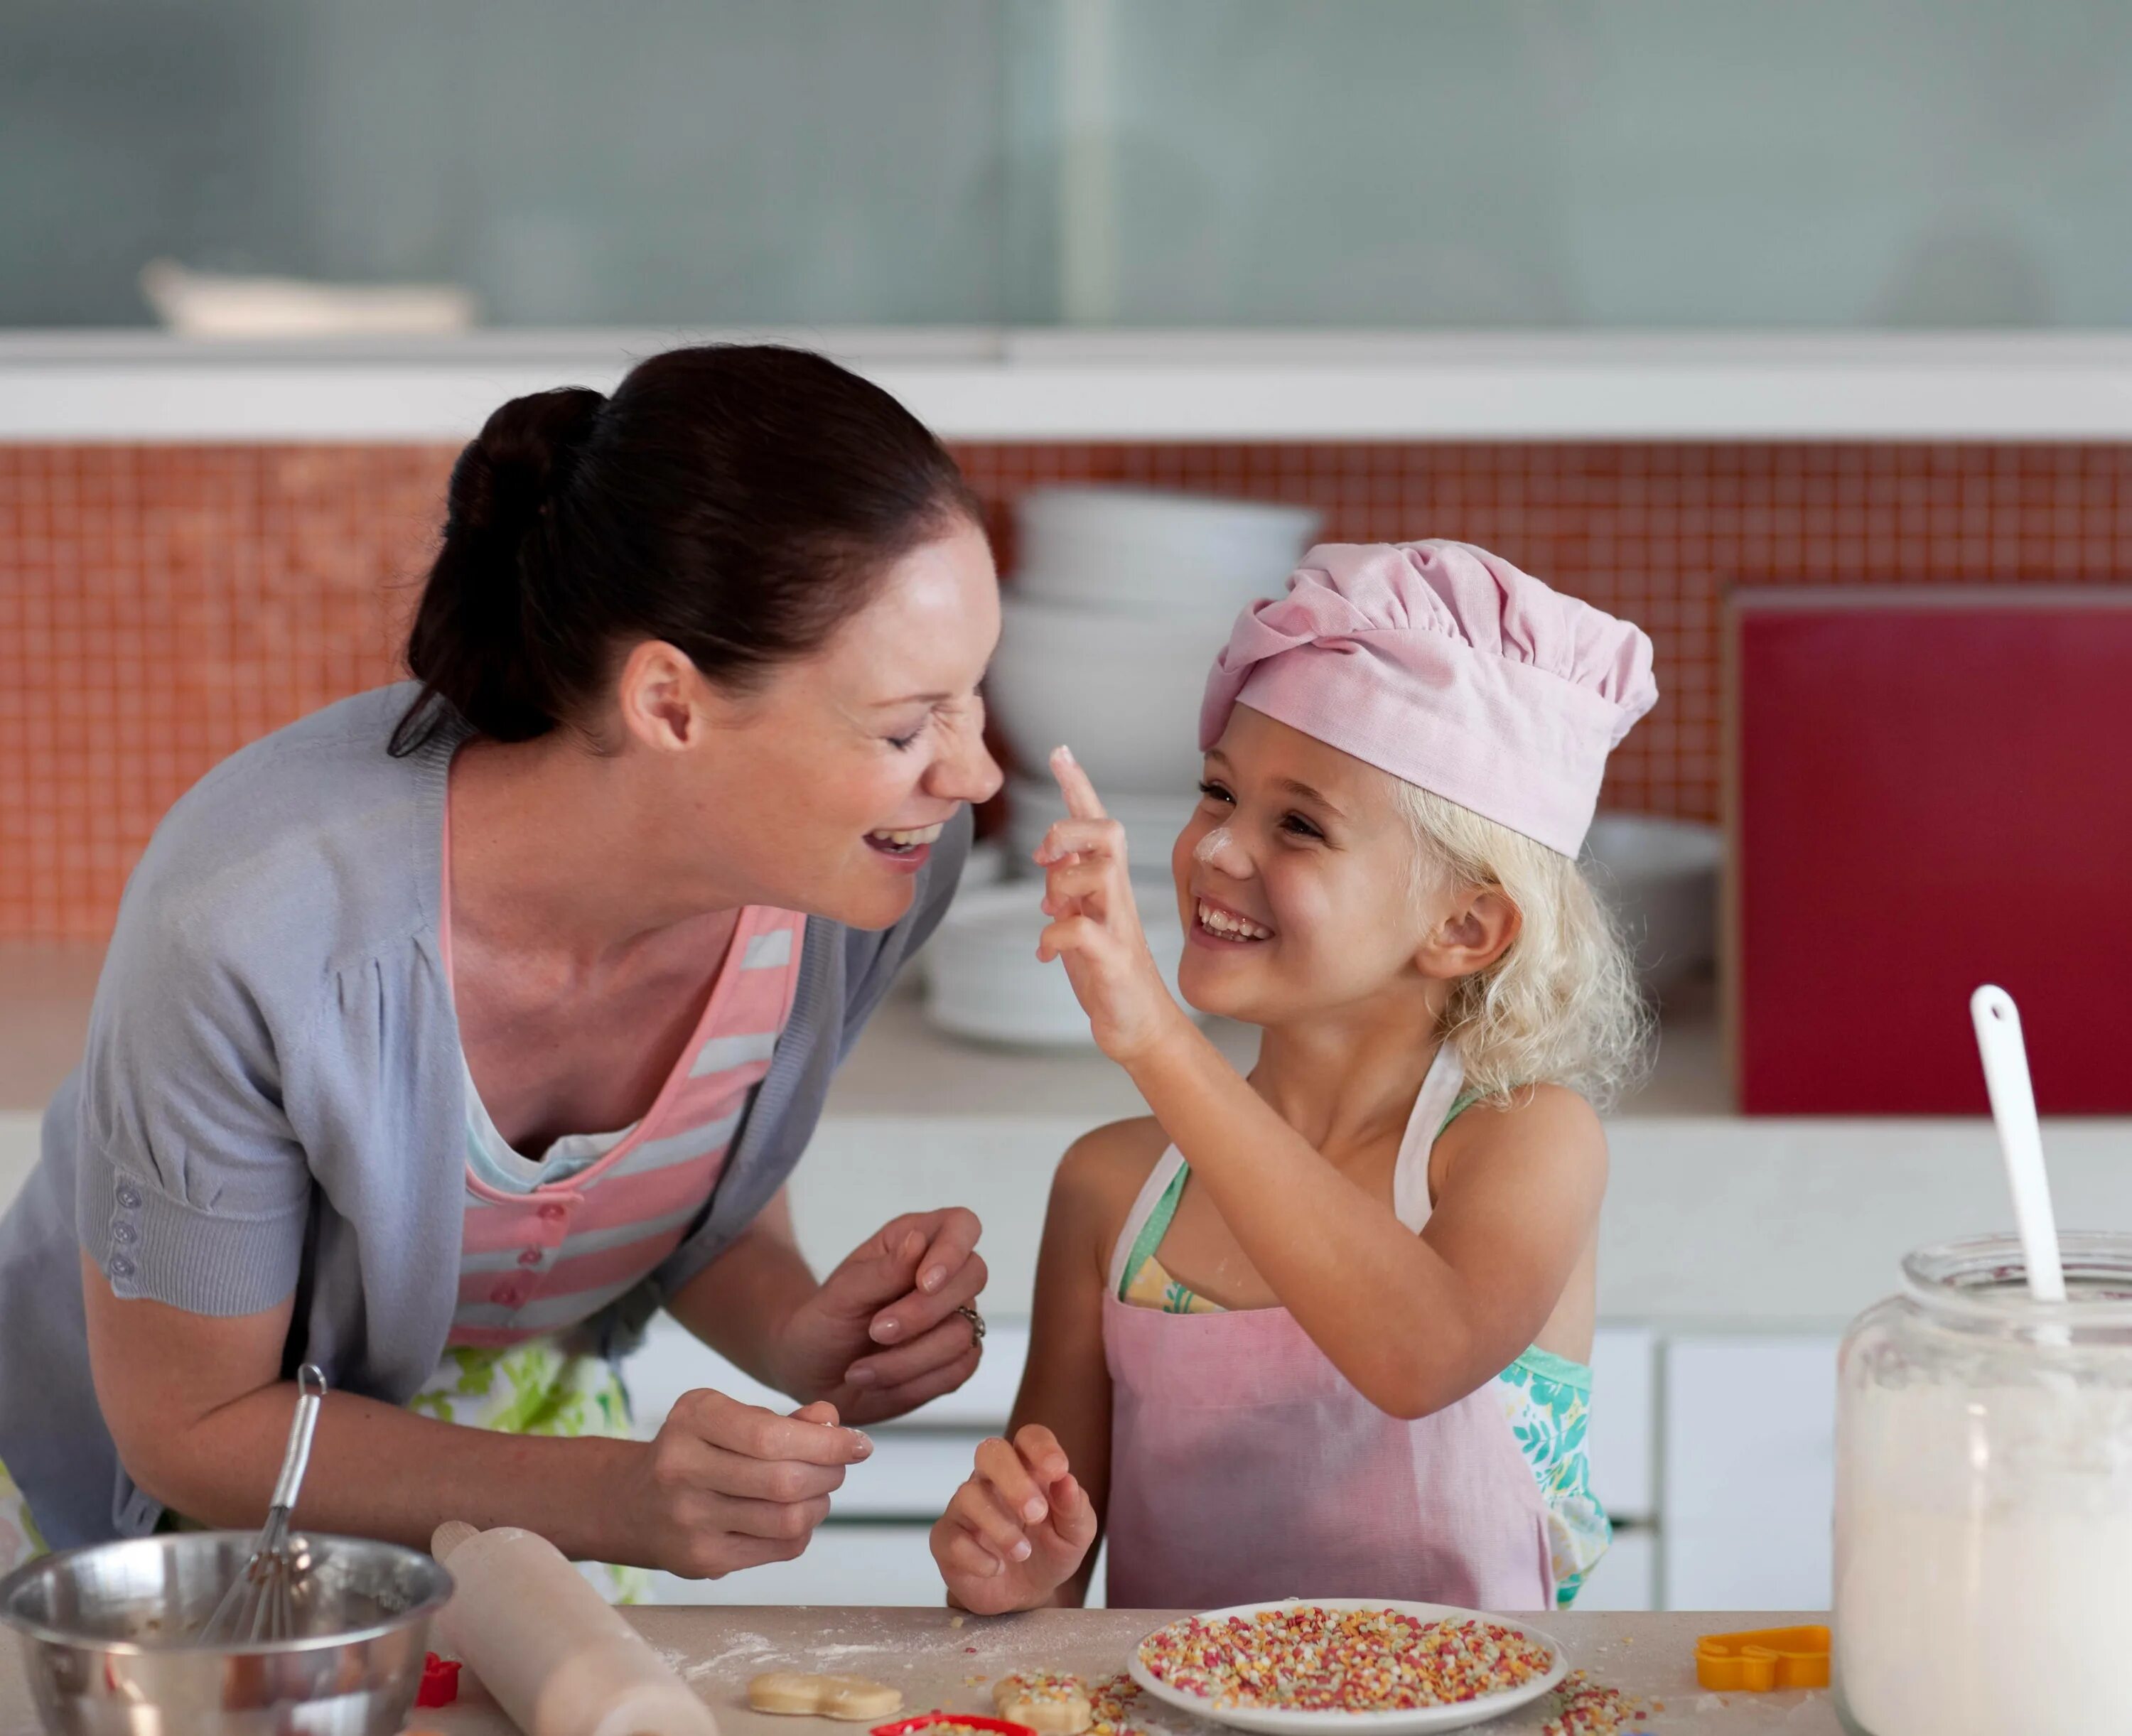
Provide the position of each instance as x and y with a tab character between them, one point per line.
1244	1466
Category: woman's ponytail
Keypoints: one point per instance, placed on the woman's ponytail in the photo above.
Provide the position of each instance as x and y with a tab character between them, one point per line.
477	641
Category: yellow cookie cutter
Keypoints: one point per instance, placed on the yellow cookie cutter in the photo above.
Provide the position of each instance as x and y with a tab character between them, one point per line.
1762	1660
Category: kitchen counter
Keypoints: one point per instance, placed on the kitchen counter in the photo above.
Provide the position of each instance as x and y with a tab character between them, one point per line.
937	1663
1044	385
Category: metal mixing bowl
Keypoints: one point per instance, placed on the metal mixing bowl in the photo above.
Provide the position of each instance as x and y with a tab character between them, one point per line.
106	1640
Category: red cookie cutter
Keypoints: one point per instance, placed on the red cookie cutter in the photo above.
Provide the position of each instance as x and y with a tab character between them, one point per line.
440	1681
948	1722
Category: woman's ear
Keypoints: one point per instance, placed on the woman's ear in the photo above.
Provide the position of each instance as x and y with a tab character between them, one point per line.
1479	930
663	701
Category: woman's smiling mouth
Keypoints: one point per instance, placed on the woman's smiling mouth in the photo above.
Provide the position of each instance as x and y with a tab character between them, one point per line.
905	844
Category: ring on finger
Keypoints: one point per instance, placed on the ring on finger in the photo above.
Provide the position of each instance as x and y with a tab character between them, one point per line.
976	1323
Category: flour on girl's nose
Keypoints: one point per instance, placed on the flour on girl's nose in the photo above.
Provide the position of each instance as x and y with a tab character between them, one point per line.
1215	845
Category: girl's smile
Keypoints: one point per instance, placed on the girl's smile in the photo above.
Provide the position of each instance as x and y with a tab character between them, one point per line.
1219	925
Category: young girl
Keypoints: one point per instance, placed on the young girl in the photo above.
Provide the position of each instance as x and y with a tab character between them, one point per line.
1324	1330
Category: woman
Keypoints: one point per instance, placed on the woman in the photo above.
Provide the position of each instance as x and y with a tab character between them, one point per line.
447	1034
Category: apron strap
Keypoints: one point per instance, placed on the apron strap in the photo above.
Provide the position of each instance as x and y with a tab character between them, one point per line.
1433	1107
1149	1219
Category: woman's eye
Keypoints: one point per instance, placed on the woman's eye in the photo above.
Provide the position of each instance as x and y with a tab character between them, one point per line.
1214	793
902	744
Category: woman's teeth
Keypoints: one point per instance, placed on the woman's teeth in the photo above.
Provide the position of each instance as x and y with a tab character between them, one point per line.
1230	928
911	839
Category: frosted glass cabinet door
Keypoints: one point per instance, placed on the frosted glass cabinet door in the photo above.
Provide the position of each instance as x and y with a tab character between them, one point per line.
1749	1472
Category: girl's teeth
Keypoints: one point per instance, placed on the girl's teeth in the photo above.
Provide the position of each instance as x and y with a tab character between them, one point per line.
908	840
1230	928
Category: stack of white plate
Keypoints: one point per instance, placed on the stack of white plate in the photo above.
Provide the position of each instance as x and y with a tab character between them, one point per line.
1141	551
1120	599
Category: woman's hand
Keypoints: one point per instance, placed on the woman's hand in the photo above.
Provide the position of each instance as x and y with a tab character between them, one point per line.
726	1485
1017	1530
883	1334
1095	924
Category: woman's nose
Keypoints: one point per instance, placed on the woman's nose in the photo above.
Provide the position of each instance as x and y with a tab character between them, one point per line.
966	771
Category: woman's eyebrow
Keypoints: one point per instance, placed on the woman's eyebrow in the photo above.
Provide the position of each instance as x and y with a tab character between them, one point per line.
882	705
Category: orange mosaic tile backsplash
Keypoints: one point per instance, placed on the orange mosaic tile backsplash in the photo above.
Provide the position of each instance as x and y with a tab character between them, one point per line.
161	605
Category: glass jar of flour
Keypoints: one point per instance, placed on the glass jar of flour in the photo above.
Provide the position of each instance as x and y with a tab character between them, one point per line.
1984	1498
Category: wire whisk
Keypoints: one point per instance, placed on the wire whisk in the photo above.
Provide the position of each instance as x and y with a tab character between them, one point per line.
266	1600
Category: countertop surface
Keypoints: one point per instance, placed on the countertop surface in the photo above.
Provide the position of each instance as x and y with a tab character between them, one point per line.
938	1663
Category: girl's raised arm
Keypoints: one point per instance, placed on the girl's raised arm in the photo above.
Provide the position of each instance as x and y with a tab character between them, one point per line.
1415	1323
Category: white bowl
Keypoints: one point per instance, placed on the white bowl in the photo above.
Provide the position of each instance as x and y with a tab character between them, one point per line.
1122	691
1146	552
1660	876
984	981
1151	824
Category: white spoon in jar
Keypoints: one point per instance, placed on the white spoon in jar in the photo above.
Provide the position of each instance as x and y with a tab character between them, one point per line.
1998	1024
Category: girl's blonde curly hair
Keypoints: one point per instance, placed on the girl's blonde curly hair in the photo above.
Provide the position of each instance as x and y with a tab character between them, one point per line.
1562	1006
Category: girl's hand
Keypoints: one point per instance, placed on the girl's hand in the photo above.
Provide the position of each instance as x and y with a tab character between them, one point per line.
1017	1530
1095	925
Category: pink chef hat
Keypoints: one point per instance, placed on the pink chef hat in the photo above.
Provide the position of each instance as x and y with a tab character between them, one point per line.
1445	665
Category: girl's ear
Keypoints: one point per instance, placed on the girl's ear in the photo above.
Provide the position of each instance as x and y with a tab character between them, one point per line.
1478	931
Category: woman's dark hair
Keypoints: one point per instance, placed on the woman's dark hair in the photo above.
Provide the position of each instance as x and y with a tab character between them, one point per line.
737	501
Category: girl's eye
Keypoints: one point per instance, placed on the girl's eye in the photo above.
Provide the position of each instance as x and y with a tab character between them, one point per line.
1213	792
1296	825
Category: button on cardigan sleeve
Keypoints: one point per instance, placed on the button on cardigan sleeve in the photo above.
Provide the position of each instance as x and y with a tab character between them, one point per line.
191	1189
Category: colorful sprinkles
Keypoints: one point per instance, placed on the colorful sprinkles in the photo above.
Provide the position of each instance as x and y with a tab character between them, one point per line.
1112	1709
1307	1658
1583	1708
1043	1686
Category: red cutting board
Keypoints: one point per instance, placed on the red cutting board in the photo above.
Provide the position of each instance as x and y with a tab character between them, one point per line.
1928	790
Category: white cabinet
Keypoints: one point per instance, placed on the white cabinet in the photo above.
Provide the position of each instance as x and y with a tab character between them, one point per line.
1623	1441
845	1564
670	1362
1627	1576
1749	1472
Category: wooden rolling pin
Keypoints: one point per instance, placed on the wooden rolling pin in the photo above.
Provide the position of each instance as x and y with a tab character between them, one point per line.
555	1657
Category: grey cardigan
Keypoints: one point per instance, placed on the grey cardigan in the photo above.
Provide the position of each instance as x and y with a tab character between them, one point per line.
273	1101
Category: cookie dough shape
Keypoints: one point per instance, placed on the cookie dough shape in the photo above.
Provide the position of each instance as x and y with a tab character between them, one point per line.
1051	1705
852	1698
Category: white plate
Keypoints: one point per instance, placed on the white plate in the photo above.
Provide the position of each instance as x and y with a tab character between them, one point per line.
1455	1716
